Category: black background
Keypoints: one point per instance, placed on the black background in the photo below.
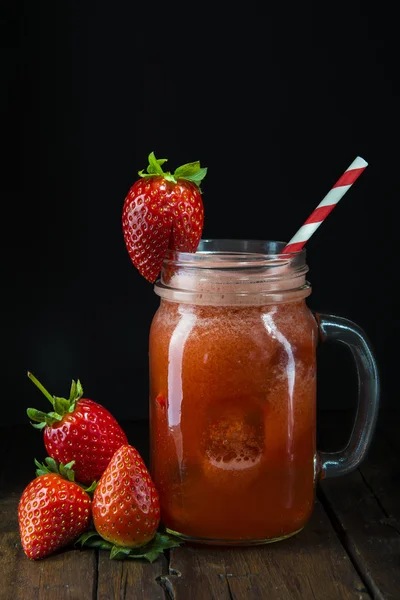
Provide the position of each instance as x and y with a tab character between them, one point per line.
276	104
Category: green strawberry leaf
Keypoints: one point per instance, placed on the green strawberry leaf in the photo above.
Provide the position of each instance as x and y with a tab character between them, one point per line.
72	392
42	418
187	169
91	487
52	465
69	465
190	171
36	415
86	536
79	389
66	470
39	425
119	553
61	405
197	177
41	469
91	539
161	541
154	166
55	416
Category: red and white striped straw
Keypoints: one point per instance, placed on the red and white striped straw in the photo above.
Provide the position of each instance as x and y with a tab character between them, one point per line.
323	209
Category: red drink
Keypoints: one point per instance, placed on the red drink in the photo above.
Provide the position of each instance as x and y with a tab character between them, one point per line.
233	405
234	445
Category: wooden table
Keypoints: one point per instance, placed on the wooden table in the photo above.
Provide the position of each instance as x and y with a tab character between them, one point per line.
349	549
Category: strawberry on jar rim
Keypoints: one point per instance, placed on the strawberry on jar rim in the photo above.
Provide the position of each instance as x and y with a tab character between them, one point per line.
78	429
163	211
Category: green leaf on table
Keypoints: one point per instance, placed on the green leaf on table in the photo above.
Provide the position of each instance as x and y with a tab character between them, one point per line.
119	553
91	539
160	542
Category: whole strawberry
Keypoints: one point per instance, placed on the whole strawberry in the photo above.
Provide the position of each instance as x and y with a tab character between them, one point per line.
126	509
78	429
52	513
161	211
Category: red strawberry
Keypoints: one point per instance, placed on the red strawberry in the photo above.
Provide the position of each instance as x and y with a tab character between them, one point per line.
161	211
78	429
52	513
126	509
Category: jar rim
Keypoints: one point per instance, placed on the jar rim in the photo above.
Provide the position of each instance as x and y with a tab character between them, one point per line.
236	253
224	271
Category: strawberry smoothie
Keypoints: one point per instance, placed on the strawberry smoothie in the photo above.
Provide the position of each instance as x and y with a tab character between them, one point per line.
232	397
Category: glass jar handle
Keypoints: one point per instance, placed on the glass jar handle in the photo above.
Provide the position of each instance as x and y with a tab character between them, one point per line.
333	464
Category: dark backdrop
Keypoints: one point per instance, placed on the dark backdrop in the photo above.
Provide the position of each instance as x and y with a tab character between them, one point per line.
276	104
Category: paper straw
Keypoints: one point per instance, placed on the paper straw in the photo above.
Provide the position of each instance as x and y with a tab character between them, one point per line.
323	209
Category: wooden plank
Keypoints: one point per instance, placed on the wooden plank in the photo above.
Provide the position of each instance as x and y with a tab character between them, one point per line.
68	575
130	580
312	565
381	470
364	506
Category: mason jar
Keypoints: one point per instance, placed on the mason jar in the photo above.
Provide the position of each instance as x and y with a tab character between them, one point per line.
233	393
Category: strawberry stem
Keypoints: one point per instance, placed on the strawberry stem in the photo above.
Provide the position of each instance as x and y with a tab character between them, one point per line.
41	388
61	406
